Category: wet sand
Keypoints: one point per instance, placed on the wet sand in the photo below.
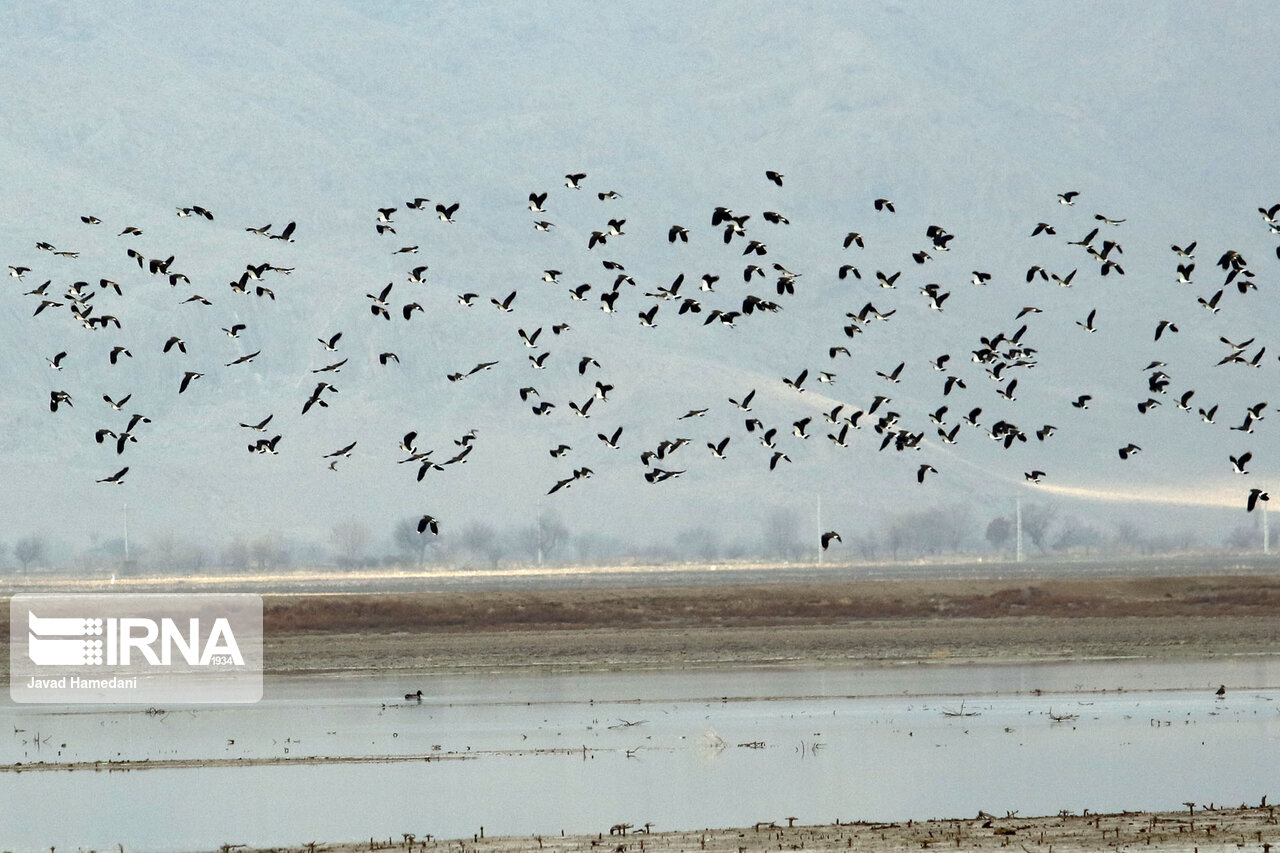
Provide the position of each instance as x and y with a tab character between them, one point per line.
1202	829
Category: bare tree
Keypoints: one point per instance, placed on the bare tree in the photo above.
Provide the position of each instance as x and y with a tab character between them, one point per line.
411	544
898	536
699	543
164	550
999	531
28	550
782	534
1129	537
483	541
268	552
1077	535
544	537
1037	519
236	555
867	546
349	537
1244	537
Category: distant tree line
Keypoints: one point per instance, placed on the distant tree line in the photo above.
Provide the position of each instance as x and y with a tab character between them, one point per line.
945	531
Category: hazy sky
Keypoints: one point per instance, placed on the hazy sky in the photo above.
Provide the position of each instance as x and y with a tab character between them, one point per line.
964	115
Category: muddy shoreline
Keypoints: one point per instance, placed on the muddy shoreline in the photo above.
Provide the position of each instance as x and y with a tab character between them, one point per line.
1196	828
845	623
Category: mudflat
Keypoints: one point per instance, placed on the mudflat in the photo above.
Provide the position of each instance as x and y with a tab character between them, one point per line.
852	622
1198	828
849	622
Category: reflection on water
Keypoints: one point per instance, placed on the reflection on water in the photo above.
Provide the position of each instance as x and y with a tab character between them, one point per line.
678	749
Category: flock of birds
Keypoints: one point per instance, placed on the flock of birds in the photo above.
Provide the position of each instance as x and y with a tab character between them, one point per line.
1005	356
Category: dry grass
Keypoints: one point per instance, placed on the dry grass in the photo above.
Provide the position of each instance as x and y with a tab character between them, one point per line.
769	605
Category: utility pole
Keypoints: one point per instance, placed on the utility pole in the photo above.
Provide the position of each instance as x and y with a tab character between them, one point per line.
126	533
1017	513
1266	530
537	526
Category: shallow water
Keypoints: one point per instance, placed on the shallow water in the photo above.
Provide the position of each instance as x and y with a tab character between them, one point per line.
666	747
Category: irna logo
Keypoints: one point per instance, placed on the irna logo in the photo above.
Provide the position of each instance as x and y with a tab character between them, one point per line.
94	641
123	647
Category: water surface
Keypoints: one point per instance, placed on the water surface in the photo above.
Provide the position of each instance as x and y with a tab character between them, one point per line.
540	753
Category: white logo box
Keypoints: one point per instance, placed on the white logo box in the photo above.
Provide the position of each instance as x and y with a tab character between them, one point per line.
125	648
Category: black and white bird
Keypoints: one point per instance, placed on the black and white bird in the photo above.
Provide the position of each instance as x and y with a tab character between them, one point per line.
118	478
1255	495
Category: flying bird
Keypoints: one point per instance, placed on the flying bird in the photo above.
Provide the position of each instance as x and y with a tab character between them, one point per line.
118	478
187	378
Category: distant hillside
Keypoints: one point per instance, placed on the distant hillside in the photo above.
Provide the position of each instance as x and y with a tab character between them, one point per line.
964	118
